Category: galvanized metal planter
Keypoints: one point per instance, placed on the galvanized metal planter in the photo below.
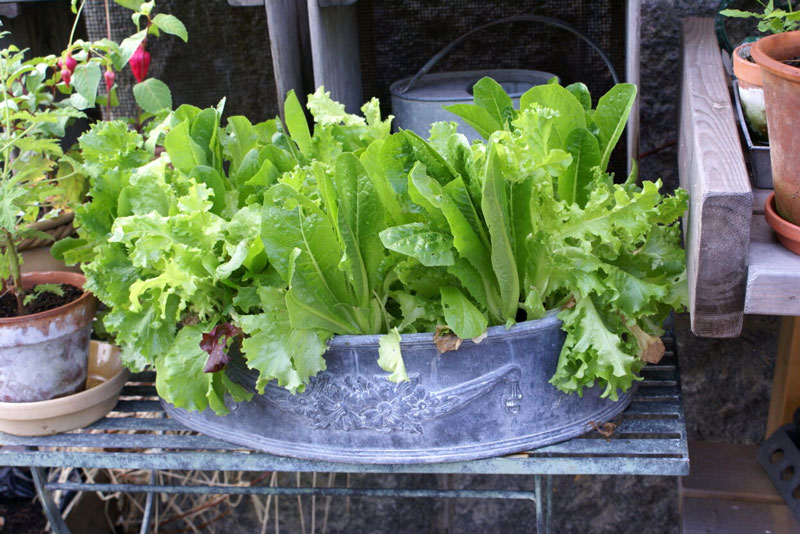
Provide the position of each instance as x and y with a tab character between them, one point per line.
480	401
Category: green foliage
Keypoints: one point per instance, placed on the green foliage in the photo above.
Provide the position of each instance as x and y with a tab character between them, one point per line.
40	289
153	95
771	19
294	233
229	226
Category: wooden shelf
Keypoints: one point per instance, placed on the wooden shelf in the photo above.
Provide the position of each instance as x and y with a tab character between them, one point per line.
735	265
728	492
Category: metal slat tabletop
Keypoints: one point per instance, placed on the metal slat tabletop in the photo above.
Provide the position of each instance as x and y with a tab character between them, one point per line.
650	439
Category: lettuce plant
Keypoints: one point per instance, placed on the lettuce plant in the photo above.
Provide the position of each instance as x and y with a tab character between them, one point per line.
270	239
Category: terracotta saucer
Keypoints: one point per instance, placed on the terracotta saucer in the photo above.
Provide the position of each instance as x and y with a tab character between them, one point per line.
105	379
788	233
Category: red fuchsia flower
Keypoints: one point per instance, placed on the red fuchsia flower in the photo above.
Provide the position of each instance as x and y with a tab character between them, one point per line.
67	65
67	62
109	77
140	63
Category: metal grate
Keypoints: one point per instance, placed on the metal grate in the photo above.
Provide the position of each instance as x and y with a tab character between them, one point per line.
650	439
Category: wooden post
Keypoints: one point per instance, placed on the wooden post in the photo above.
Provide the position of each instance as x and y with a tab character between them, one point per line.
633	24
785	398
287	21
712	170
335	53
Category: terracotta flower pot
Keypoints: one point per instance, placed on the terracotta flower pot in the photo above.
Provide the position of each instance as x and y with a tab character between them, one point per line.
45	355
751	90
788	233
105	380
782	97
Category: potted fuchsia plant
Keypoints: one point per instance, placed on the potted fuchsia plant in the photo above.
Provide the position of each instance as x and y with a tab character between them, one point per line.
45	318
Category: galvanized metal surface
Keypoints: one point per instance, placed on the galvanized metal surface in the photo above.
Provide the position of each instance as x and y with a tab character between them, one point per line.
484	400
650	440
417	100
759	155
419	107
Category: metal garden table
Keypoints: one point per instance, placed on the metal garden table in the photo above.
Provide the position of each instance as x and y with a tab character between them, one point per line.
650	439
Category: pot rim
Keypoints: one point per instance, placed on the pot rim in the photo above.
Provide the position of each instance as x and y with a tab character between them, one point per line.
550	320
744	70
785	229
769	52
62	277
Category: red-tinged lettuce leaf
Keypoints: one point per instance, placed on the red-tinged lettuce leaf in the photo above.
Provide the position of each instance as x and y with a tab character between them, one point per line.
182	381
217	343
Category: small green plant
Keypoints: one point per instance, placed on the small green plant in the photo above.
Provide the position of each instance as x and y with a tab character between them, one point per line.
772	19
40	290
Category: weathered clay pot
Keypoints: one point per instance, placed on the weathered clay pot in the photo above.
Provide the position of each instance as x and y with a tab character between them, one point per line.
751	90
45	355
782	97
44	418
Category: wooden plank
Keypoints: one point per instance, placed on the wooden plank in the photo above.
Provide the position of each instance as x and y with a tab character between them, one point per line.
285	21
335	52
712	516
727	471
633	25
785	397
773	278
712	170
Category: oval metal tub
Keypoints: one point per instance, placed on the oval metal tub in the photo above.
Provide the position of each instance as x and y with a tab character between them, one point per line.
480	401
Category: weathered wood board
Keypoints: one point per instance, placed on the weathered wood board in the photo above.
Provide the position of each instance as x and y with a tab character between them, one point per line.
720	516
287	21
336	57
773	278
785	396
712	169
727	471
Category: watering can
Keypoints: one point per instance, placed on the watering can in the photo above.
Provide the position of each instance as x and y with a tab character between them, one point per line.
418	101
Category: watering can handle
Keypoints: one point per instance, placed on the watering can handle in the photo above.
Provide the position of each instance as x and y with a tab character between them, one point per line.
515	18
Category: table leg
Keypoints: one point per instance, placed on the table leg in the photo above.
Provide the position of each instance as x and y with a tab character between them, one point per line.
785	397
51	510
539	509
148	506
548	496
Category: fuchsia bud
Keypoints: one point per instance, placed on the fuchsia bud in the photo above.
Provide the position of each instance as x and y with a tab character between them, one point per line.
67	62
140	62
66	76
109	76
